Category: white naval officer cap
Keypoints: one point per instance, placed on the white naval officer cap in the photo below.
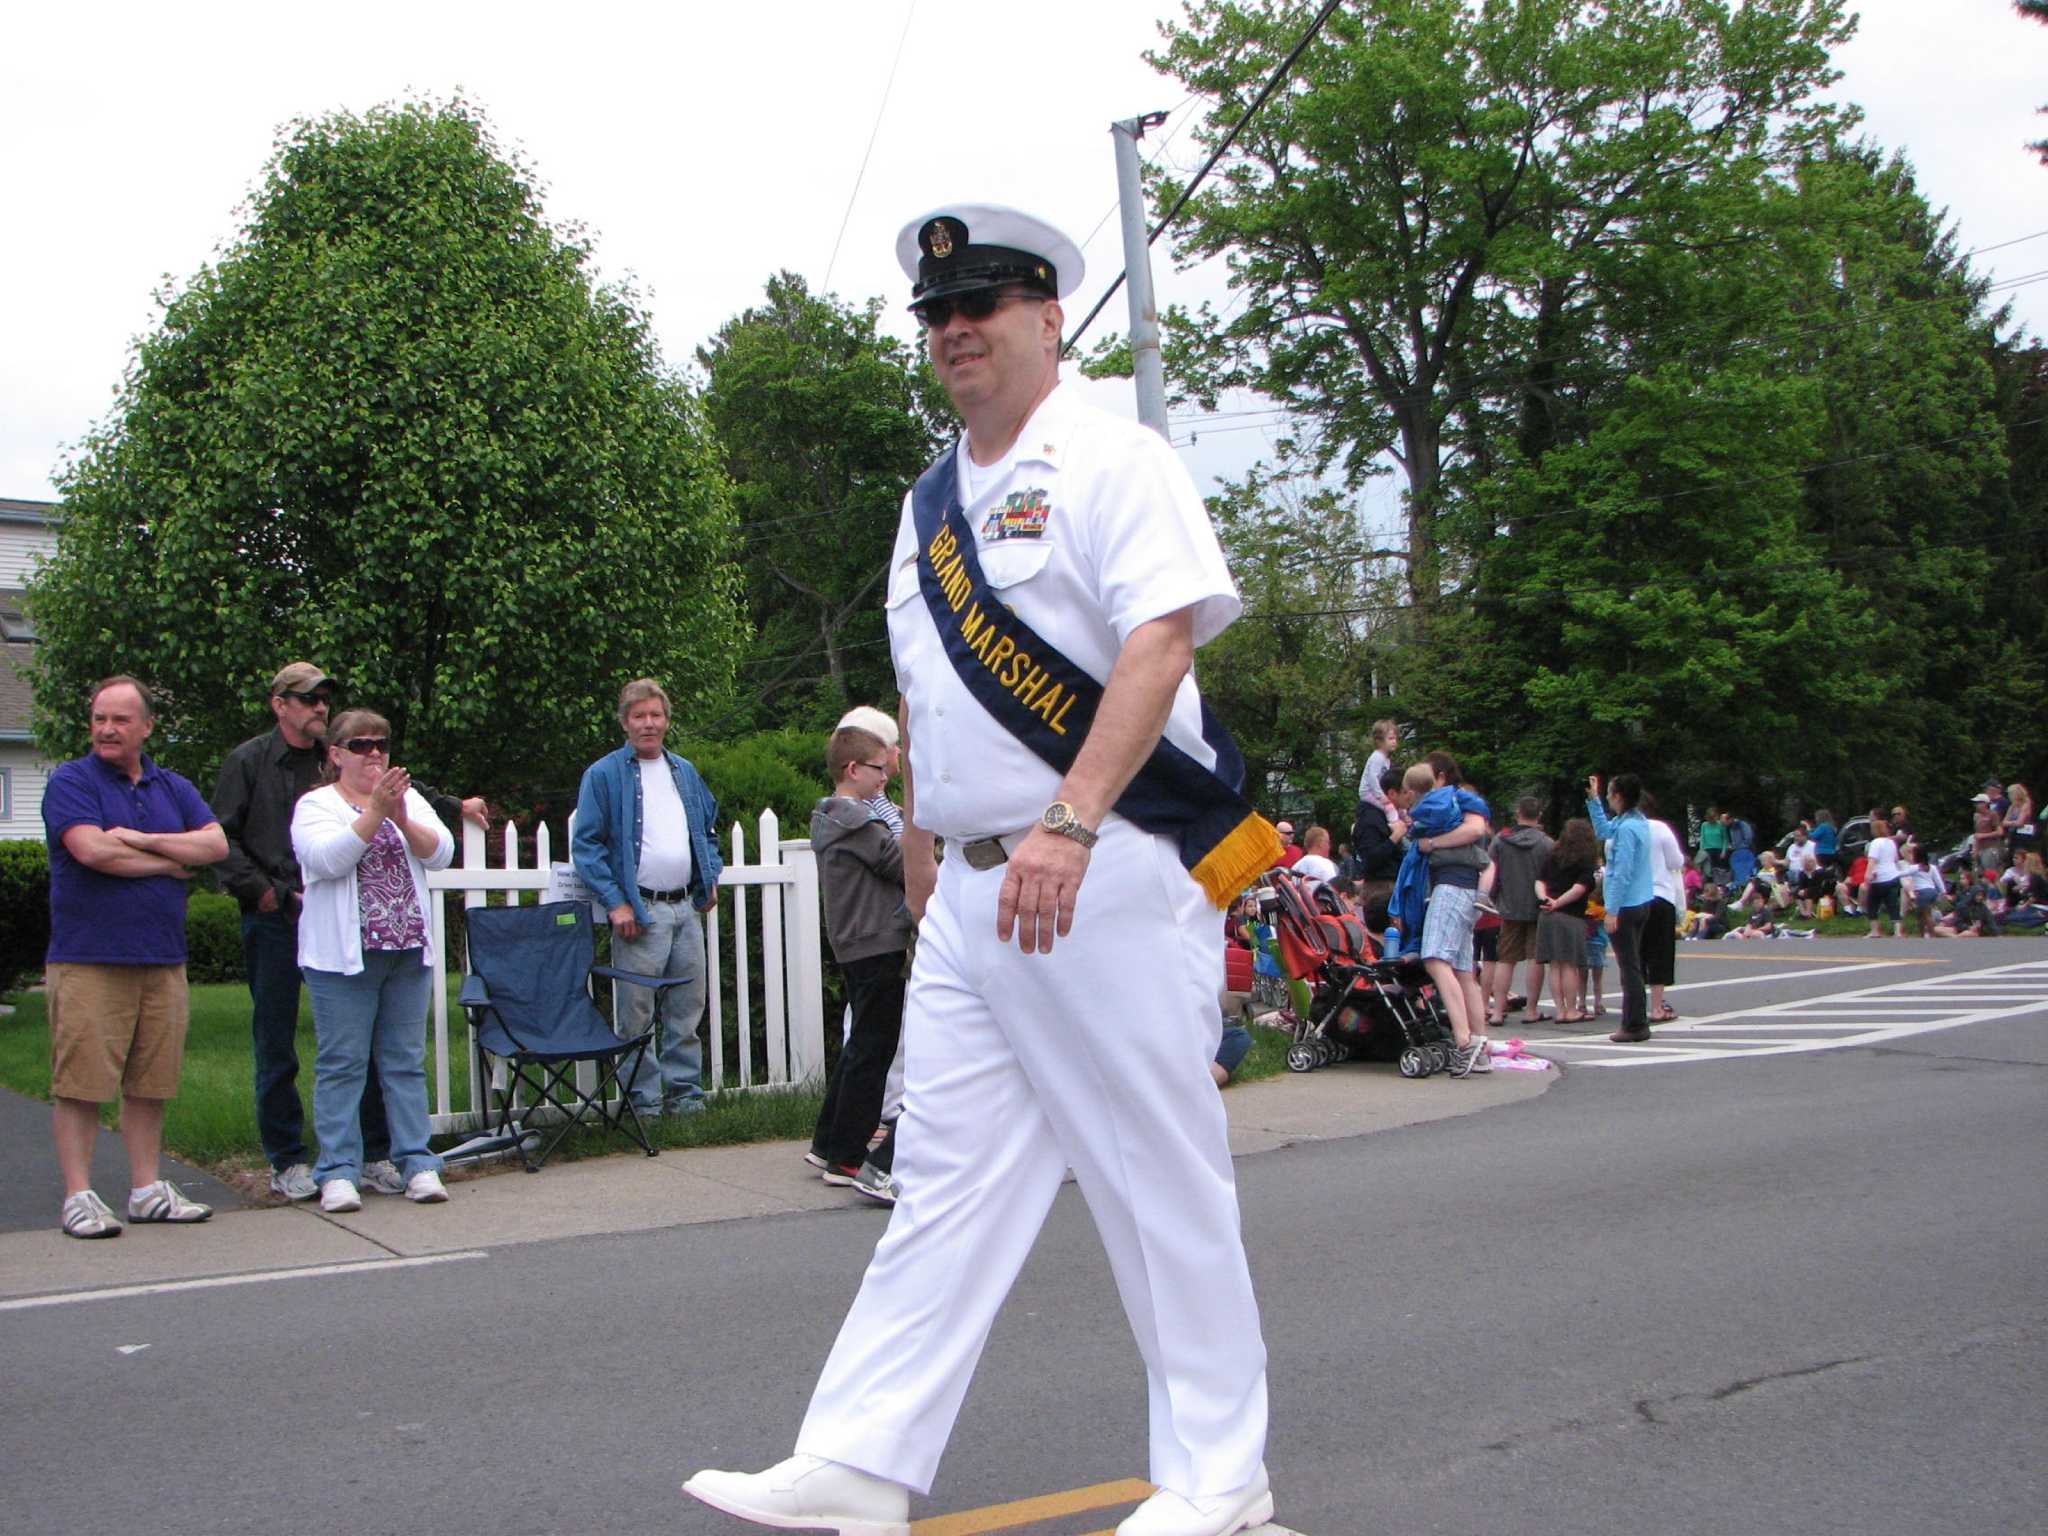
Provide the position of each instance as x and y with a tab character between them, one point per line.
960	247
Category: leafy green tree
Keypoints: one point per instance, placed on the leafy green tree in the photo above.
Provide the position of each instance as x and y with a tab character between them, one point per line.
1433	213
824	421
398	429
1295	676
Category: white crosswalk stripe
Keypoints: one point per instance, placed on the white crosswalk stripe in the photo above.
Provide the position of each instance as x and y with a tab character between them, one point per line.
1862	1016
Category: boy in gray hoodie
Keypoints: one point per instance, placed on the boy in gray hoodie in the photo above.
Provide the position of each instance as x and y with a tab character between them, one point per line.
1518	855
860	872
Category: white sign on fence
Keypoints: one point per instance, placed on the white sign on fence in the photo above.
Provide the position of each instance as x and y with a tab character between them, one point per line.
786	1030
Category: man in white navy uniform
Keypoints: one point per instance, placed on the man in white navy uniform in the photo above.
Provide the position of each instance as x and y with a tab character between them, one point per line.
1062	1009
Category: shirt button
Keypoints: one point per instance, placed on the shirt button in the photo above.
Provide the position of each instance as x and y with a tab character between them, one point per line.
945	778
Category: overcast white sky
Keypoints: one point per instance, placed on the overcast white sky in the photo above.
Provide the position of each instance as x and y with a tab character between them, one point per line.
706	146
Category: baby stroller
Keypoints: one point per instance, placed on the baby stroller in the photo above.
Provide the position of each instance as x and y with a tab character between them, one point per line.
1363	1005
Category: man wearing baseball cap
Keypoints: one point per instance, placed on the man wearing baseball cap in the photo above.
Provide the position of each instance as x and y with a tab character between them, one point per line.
1052	576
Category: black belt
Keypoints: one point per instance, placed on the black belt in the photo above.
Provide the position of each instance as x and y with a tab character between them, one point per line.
988	852
678	895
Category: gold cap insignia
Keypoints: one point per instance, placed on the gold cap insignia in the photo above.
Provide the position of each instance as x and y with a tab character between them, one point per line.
942	240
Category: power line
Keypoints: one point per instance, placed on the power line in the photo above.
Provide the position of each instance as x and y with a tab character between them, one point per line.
1272	84
873	134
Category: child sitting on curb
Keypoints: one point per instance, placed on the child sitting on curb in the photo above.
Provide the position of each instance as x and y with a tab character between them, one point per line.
860	874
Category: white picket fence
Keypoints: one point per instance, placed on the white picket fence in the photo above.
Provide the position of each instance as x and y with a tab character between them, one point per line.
787	1022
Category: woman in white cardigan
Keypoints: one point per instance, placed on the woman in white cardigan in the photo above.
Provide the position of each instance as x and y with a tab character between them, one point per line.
365	841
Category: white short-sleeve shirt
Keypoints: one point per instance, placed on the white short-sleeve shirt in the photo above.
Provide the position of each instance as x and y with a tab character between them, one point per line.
1088	529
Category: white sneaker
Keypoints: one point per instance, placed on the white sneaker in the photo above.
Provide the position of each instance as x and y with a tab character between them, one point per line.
1168	1514
294	1183
164	1201
425	1188
338	1195
809	1493
383	1178
86	1215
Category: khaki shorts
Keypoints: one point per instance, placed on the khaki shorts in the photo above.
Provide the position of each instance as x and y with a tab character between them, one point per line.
116	1030
1517	941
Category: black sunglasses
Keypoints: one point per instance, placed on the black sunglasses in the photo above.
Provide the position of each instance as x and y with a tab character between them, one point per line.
318	696
363	746
978	305
881	768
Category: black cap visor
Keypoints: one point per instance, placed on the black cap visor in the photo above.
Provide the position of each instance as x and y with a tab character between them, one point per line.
982	266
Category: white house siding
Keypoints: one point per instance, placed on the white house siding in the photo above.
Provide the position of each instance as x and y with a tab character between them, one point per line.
21	785
22	546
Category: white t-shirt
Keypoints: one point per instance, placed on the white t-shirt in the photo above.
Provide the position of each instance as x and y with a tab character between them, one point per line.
1369	789
1667	864
664	829
1883	854
1315	869
1090	527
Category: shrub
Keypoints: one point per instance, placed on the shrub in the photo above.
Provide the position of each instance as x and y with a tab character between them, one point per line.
213	938
24	910
779	770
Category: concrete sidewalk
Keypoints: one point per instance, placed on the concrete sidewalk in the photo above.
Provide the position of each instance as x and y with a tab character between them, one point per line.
629	1192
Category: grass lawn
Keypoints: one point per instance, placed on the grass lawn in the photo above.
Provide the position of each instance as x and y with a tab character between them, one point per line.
212	1121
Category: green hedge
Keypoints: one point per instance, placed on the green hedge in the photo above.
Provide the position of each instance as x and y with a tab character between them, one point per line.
213	938
213	923
24	910
782	770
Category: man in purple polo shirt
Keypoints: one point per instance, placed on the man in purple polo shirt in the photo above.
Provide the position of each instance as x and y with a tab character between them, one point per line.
125	836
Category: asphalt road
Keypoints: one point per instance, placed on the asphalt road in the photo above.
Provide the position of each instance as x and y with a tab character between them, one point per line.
1798	1294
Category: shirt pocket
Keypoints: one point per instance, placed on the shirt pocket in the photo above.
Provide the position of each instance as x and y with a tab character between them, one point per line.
1014	561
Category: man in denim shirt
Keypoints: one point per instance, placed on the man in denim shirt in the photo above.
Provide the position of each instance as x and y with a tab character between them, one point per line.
646	845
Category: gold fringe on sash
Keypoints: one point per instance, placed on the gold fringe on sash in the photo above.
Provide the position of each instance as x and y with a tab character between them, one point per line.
1251	848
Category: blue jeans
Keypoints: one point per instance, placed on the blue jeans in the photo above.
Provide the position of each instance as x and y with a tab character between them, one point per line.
670	944
270	959
379	1014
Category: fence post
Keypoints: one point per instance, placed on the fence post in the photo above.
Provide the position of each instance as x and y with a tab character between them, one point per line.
774	1006
806	967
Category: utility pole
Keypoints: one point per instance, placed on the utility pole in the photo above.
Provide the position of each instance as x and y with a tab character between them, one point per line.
1146	364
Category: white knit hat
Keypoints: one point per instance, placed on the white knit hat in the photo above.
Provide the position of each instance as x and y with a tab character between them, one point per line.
867	718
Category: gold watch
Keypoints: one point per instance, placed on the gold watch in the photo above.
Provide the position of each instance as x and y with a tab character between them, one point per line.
1059	818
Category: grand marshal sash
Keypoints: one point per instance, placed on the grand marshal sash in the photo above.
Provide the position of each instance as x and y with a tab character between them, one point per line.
1048	703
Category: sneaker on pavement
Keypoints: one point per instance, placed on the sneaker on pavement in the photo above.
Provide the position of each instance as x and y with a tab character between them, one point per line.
426	1188
1482	1059
1170	1514
86	1215
294	1183
875	1184
383	1178
164	1201
1462	1057
808	1493
816	1159
845	1175
338	1195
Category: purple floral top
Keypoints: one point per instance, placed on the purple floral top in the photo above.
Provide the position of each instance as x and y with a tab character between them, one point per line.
390	906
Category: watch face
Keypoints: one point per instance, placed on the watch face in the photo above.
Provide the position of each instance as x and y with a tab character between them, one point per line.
1057	815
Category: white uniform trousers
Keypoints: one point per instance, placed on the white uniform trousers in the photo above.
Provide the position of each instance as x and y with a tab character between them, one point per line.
1095	1057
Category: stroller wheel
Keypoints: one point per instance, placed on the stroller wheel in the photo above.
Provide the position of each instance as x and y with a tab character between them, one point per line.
1439	1058
1413	1063
1301	1057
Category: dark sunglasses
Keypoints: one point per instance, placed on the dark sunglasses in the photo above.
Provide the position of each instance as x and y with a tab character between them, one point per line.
363	746
978	305
320	696
881	768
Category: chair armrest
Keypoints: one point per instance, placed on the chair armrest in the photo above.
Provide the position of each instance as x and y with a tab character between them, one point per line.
635	979
474	994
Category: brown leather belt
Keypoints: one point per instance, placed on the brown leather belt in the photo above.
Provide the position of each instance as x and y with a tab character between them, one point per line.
988	852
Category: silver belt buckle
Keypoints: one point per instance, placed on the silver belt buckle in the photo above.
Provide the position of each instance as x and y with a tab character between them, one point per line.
985	853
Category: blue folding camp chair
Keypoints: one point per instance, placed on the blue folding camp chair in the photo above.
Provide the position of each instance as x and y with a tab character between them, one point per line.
528	1000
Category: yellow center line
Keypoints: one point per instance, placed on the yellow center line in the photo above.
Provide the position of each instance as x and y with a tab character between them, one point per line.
1048	1506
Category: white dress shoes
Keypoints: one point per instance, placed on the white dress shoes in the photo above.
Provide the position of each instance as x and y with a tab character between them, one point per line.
1169	1514
808	1493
